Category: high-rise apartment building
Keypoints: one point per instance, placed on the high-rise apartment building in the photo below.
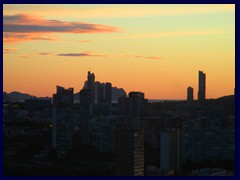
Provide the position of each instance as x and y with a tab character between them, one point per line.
90	84
134	106
62	120
201	86
108	93
170	150
123	109
100	88
137	104
202	143
85	107
85	100
189	94
129	151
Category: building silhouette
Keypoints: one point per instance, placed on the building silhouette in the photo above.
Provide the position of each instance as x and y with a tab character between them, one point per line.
101	109
201	86
85	100
62	131
130	136
123	109
137	104
108	93
103	133
100	88
204	143
104	92
129	151
190	94
85	107
170	150
90	85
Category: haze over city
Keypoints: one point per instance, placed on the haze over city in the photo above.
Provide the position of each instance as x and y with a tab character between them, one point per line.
156	49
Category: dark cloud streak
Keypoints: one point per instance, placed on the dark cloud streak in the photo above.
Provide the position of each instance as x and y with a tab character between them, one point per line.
26	24
84	54
149	57
44	54
153	57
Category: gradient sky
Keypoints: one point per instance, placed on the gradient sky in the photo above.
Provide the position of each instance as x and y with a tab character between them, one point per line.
155	49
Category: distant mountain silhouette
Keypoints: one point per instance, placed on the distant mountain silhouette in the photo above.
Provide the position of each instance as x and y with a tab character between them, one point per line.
226	98
227	102
6	97
118	92
18	96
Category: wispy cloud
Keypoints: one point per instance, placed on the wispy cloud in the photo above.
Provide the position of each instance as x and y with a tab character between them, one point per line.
23	23
172	34
153	57
150	57
9	50
146	57
19	26
83	54
19	37
91	54
44	54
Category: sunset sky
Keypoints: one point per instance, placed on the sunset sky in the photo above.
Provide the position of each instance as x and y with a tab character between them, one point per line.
155	49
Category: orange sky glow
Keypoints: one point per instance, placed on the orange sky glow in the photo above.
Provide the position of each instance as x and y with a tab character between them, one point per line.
155	49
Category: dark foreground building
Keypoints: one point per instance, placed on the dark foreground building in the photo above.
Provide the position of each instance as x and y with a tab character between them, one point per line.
62	120
129	151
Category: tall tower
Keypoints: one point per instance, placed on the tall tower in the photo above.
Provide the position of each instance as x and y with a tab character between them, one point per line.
201	86
90	84
62	120
108	93
189	94
85	105
85	100
137	104
129	151
100	93
170	150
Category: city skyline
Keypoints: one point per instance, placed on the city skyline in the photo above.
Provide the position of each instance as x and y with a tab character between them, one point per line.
155	49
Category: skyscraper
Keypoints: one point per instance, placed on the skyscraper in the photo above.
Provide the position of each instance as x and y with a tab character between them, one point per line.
189	94
62	120
130	136
108	93
129	151
137	104
170	150
85	100
100	93
123	108
201	86
90	84
85	105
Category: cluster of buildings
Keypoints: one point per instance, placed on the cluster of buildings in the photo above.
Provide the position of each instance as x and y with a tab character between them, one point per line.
120	135
175	133
181	137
